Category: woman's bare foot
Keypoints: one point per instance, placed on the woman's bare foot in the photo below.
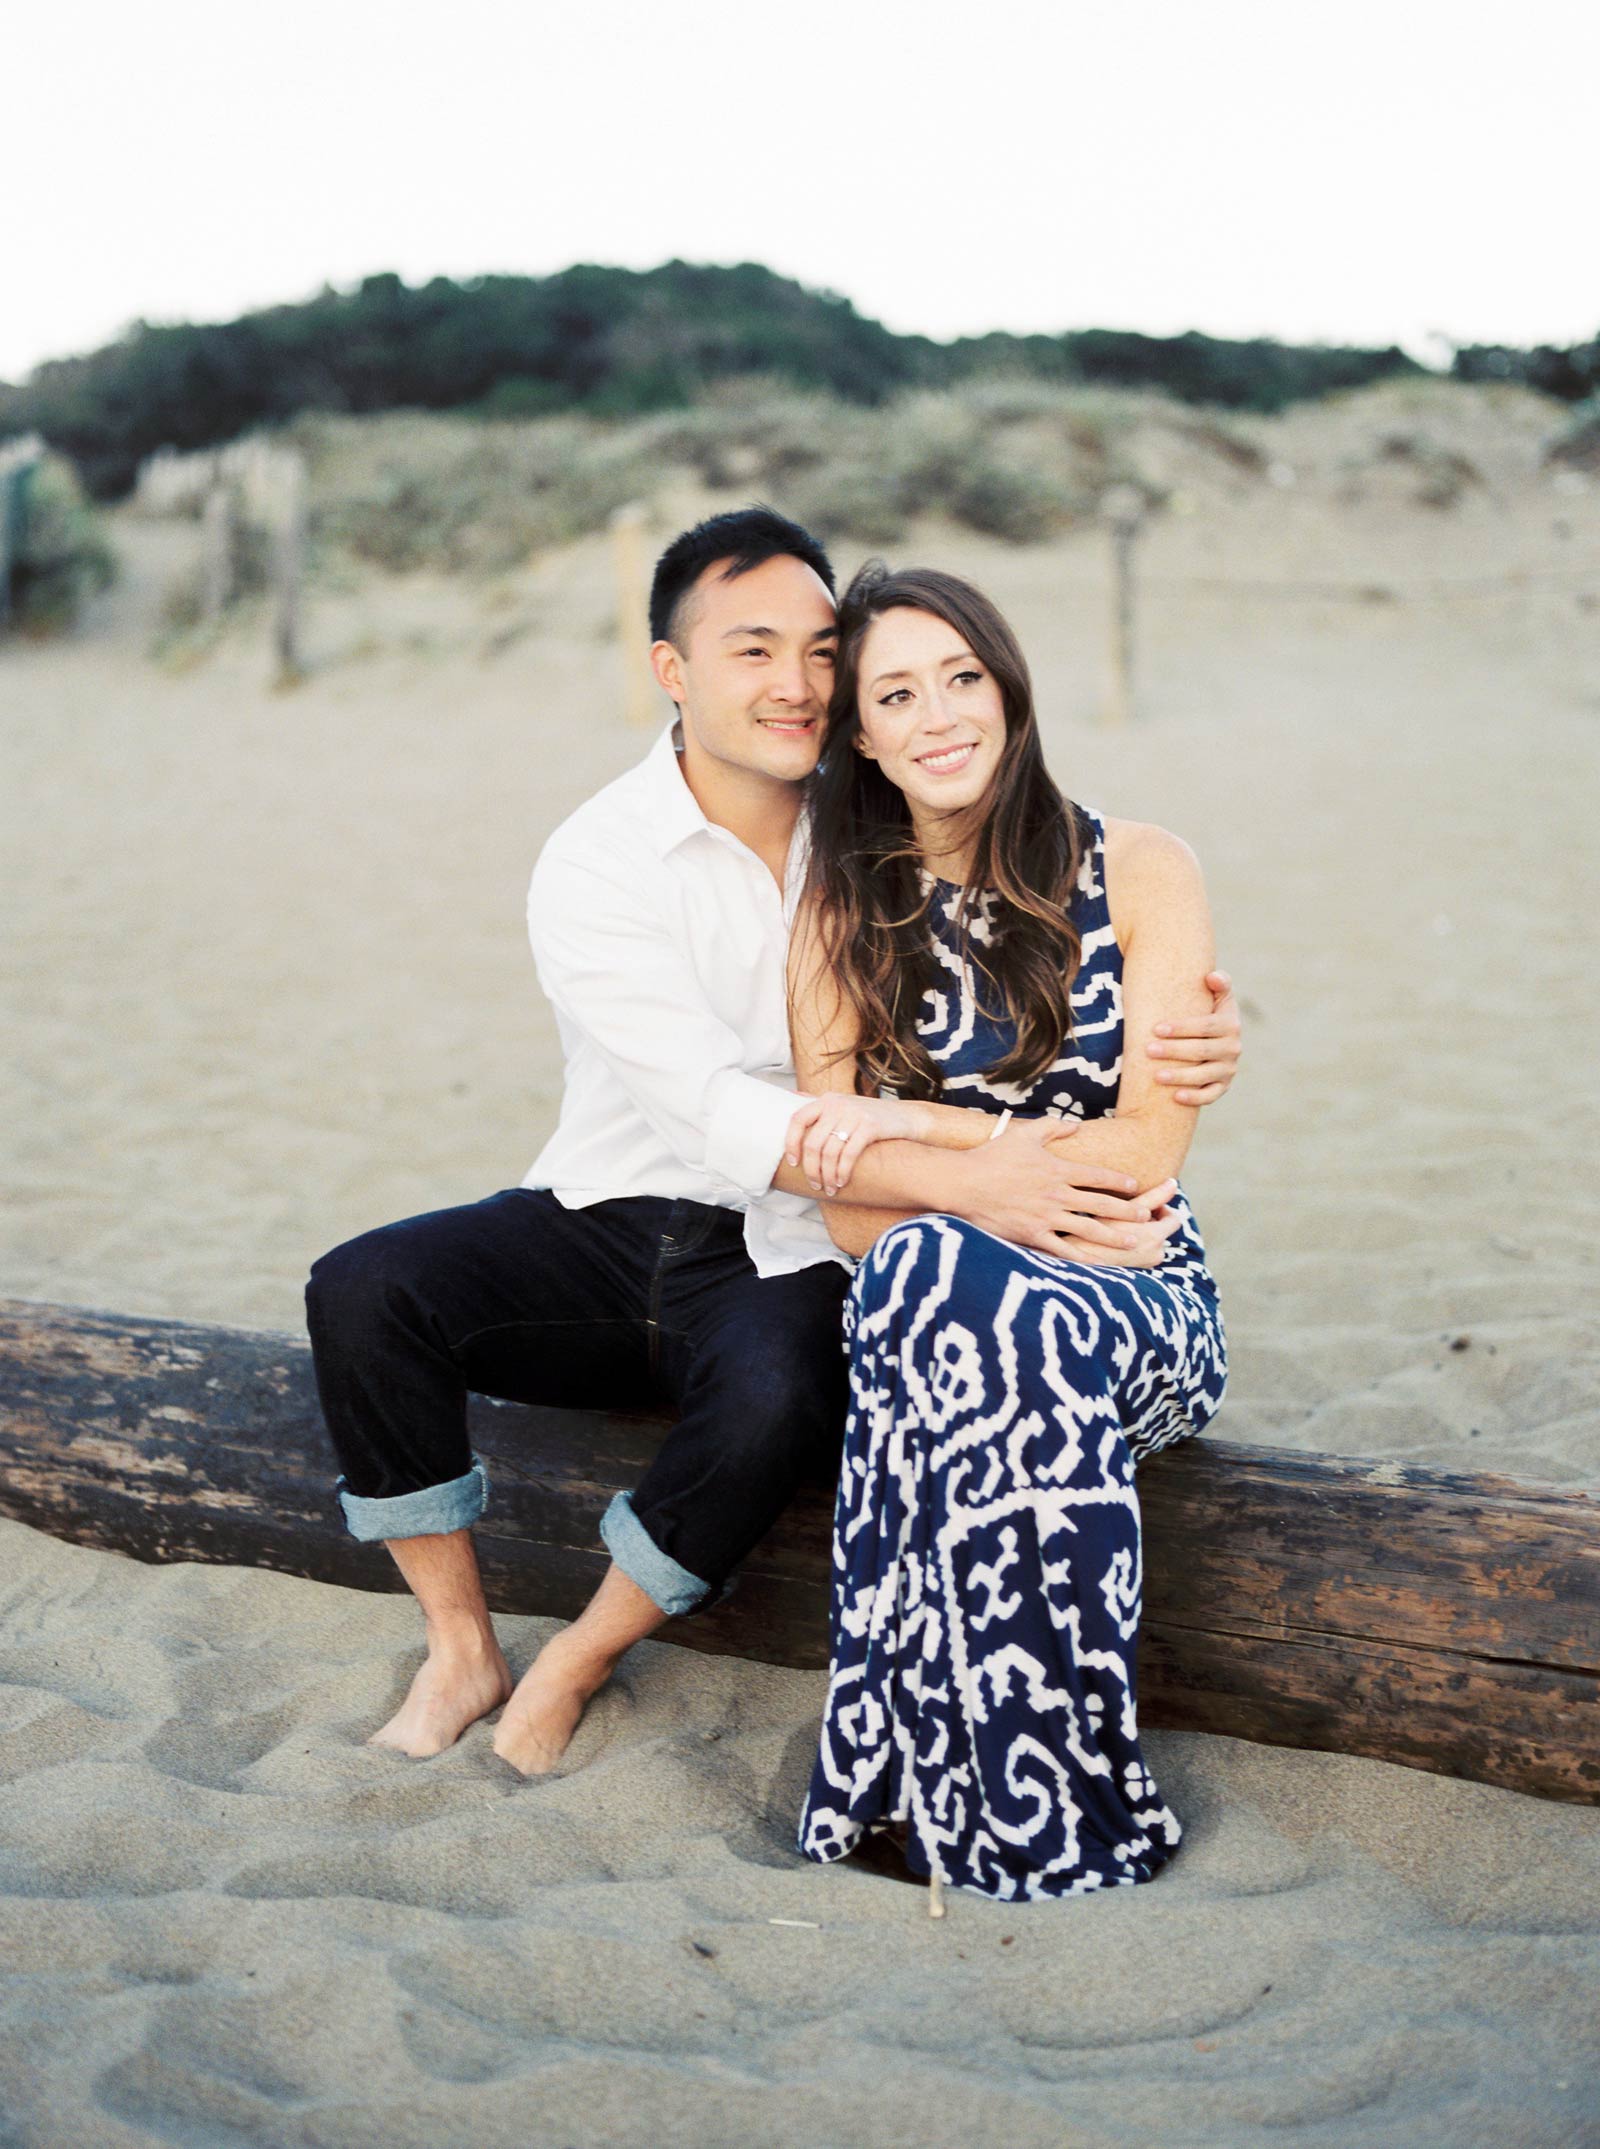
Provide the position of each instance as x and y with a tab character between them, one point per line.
547	1706
458	1682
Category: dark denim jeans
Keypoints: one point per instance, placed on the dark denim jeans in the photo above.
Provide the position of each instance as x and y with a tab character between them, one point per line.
630	1304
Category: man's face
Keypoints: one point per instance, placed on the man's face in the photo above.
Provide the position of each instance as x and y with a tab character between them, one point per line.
752	667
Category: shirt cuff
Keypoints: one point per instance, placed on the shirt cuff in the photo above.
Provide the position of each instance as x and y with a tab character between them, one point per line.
744	1143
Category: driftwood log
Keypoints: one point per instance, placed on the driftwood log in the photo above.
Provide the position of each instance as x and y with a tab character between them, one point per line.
1446	1621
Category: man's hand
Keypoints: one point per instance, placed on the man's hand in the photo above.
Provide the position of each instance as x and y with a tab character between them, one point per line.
1204	1049
1023	1191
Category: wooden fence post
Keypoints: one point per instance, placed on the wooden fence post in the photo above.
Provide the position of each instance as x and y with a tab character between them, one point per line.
1123	509
633	614
10	515
252	486
288	569
216	567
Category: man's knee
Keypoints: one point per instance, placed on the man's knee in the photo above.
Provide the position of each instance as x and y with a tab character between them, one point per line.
782	1403
355	1283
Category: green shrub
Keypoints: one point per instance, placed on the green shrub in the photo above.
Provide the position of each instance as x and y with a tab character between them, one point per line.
420	491
1443	475
1024	507
621	343
845	500
523	396
63	558
1577	445
746	434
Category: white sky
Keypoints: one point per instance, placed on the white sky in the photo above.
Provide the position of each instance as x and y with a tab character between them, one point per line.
1361	173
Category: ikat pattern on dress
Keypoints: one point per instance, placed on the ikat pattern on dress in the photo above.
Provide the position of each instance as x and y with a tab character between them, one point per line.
987	1561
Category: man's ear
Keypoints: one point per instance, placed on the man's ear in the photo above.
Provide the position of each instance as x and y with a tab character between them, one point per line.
667	665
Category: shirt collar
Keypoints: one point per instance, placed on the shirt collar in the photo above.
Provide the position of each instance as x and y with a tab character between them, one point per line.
675	813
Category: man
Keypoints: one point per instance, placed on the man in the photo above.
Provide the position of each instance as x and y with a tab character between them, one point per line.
661	1247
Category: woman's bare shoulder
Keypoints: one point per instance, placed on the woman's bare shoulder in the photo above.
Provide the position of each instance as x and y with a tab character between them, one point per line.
1147	870
1145	848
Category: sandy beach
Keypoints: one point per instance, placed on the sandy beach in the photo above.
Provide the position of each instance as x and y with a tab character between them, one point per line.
227	1920
266	983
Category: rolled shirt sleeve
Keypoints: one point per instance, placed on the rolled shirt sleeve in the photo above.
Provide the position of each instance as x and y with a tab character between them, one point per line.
611	966
745	1136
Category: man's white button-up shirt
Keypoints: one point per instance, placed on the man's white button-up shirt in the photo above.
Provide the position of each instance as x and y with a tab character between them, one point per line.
660	941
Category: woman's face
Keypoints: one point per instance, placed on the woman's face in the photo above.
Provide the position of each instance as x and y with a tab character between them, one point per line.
931	715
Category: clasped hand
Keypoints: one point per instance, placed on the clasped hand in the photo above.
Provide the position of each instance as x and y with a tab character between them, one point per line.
1035	1194
828	1134
1018	1186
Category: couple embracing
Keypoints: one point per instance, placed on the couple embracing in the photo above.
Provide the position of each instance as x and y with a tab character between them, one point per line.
882	1058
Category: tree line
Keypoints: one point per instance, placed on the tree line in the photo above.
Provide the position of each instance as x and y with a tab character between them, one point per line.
611	342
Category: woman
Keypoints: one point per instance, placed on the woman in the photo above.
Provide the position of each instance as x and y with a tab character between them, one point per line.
974	947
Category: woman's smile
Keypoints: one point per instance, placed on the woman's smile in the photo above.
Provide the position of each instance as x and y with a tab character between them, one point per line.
946	760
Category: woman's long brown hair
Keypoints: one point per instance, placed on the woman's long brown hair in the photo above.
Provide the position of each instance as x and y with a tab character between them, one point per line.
873	905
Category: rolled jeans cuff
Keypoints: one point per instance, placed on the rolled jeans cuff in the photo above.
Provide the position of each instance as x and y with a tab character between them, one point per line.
669	1587
432	1512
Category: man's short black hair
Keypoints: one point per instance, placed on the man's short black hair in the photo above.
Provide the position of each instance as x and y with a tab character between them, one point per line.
746	537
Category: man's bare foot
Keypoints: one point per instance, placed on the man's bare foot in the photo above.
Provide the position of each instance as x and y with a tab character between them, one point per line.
458	1682
547	1706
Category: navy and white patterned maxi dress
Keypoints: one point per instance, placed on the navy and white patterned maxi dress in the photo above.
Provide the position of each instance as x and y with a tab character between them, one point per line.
987	1568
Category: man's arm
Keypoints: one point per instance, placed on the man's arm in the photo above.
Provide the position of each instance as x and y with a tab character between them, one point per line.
609	963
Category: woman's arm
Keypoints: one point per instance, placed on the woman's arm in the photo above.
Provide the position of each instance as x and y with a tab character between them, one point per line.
1075	1207
823	1031
1162	921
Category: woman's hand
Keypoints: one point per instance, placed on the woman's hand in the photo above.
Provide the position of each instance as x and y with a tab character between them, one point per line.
1143	1246
1028	1186
828	1133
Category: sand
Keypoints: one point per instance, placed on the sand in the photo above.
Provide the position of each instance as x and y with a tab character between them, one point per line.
227	1920
267	984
